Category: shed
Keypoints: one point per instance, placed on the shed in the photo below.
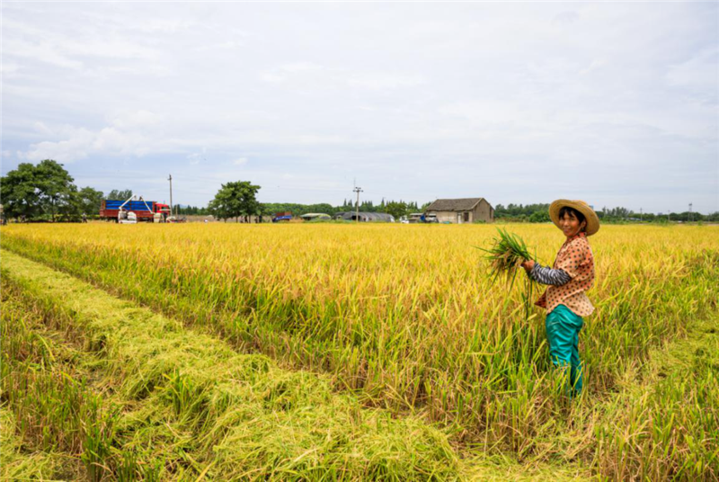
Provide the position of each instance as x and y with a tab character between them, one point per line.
365	217
313	216
461	211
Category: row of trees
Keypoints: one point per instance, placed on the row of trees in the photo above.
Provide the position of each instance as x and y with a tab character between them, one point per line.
538	213
46	191
395	208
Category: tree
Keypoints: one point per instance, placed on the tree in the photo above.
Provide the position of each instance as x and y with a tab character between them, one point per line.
32	191
55	188
539	217
235	199
88	200
396	209
20	196
116	195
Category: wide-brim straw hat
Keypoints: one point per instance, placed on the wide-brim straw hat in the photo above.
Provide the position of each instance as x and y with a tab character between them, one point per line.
582	207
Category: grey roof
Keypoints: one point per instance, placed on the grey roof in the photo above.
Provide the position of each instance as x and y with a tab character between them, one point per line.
315	216
466	204
365	217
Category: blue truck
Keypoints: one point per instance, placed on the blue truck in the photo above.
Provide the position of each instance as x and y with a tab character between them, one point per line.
144	210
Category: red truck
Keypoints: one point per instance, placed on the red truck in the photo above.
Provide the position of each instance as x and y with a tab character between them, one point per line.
148	211
284	216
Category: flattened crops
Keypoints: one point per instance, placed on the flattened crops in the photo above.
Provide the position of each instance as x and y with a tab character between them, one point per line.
341	352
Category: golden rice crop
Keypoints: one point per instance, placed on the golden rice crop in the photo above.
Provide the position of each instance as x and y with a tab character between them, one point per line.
136	396
403	315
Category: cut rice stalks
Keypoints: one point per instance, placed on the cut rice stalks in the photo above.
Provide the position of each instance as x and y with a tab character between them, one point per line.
505	257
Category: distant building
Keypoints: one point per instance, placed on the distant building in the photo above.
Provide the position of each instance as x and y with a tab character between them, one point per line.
314	216
365	217
461	211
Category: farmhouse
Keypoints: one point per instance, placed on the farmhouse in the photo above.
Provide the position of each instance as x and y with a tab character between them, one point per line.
462	211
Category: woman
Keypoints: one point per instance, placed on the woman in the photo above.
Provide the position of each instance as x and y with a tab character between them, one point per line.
571	276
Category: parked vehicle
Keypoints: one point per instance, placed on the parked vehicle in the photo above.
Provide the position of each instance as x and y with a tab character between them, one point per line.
134	210
284	216
423	218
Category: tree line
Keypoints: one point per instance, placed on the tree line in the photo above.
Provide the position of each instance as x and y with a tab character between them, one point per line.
538	213
47	192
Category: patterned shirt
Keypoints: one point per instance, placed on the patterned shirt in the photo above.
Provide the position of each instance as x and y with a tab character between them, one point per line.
575	258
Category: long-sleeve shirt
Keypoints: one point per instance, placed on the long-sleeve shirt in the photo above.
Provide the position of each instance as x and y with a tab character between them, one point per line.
549	276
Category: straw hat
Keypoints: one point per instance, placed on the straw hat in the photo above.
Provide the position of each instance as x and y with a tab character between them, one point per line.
582	207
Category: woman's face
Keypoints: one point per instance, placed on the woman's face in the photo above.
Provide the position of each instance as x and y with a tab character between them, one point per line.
570	224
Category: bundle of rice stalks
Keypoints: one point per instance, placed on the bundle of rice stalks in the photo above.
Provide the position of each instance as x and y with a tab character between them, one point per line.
505	257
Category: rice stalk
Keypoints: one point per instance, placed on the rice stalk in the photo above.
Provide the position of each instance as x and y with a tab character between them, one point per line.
505	257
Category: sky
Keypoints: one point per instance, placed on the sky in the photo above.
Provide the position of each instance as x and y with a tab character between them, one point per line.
612	103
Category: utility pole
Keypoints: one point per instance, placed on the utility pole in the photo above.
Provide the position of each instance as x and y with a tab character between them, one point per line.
171	206
691	217
358	190
641	215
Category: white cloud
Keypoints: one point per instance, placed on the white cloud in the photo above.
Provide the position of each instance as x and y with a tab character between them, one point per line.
135	119
564	18
293	70
467	94
79	143
596	64
383	81
701	72
9	68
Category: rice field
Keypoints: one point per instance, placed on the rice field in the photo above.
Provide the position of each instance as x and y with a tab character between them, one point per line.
398	321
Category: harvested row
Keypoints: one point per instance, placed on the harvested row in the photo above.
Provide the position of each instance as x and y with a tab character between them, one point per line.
23	456
665	426
402	315
19	463
232	415
65	411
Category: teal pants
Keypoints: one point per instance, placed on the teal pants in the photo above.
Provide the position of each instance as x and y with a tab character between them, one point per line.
563	327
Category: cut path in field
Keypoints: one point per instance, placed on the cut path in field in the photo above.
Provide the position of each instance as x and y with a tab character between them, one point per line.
74	417
249	417
664	422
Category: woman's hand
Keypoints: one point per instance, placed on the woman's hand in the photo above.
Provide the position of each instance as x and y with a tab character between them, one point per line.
528	265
